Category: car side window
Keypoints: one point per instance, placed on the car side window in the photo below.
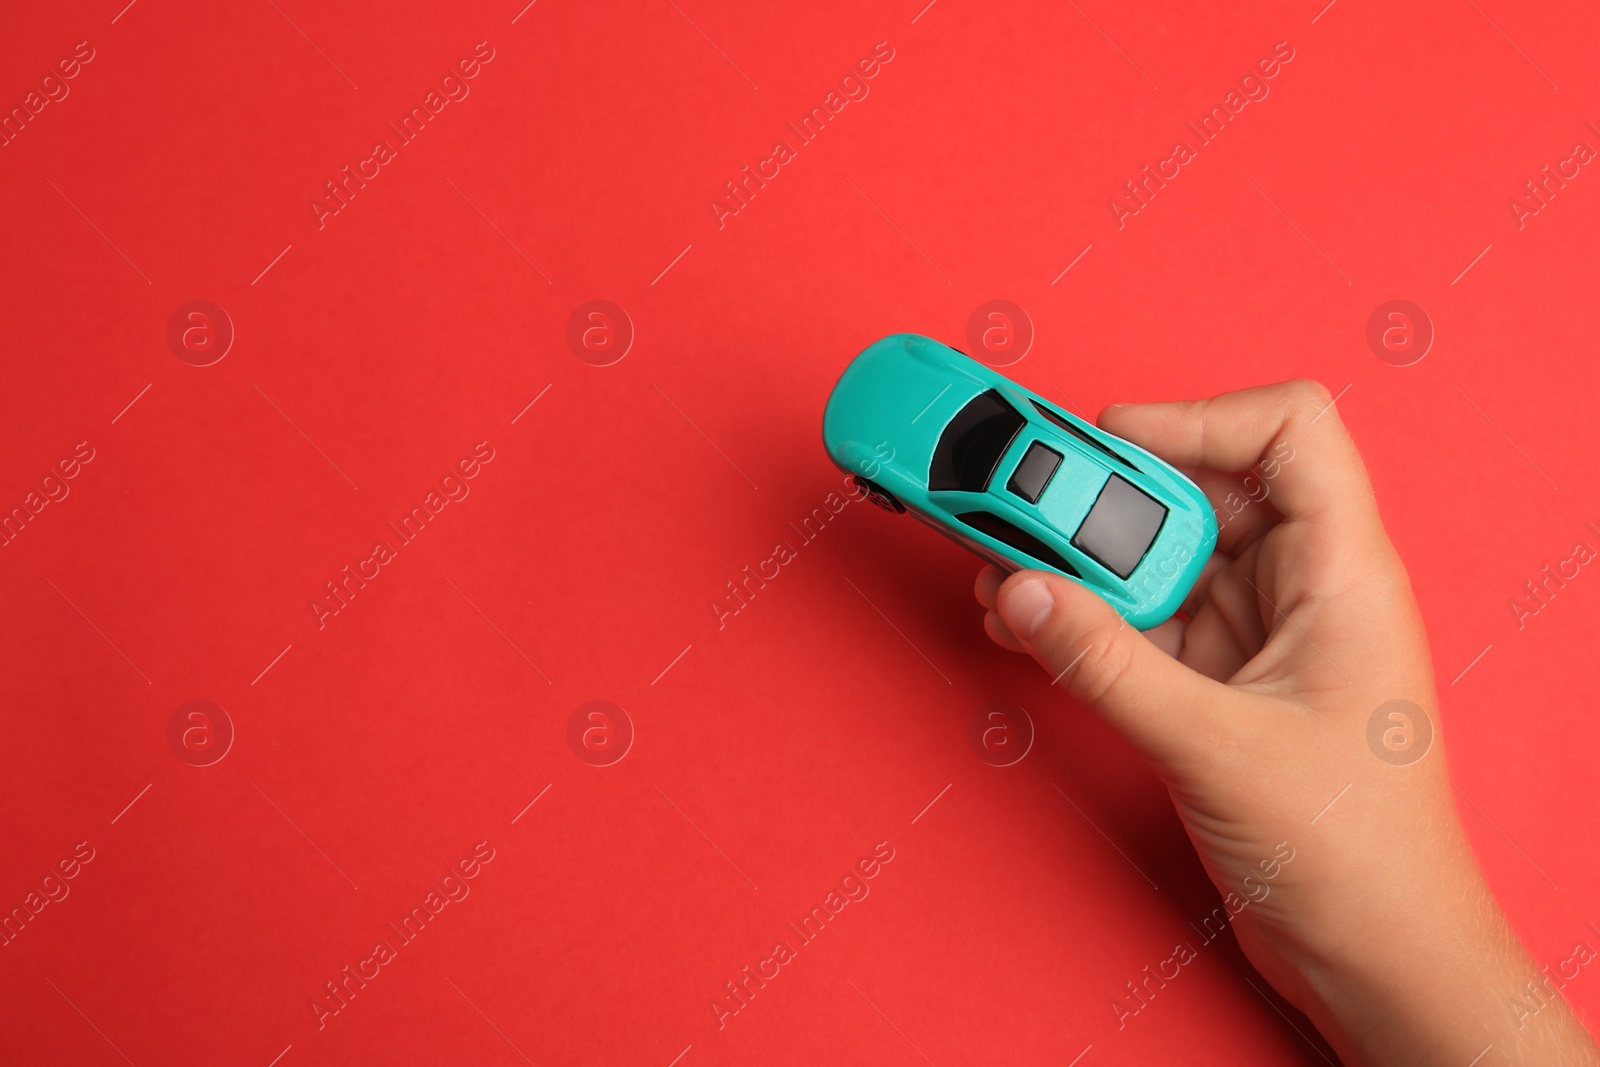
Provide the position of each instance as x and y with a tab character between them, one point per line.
1021	540
1061	421
970	448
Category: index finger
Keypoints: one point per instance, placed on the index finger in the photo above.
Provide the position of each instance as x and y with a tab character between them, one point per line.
1291	429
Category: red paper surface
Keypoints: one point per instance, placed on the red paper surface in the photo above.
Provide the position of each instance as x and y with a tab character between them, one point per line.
767	751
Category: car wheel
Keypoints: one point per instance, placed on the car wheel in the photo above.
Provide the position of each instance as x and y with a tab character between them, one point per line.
879	495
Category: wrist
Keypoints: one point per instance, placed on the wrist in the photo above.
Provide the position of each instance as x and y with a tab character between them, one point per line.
1394	993
1441	983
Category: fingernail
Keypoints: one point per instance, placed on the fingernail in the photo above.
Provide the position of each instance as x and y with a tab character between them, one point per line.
1025	606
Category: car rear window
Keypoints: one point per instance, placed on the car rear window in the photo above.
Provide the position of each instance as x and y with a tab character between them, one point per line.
1121	526
970	448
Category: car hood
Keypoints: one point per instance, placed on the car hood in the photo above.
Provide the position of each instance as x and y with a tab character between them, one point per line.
890	406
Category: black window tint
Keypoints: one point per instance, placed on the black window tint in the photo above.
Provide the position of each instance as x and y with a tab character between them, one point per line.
1061	421
1021	540
1121	526
1034	471
971	446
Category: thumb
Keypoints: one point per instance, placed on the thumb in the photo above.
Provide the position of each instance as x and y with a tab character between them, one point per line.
1162	707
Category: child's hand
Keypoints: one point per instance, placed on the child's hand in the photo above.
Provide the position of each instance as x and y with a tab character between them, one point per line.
1257	714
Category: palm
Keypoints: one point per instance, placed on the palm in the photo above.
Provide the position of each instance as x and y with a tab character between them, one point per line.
1246	620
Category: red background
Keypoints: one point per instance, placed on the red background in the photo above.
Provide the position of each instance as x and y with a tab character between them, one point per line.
418	321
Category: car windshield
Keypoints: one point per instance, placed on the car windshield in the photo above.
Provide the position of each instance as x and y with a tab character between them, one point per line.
970	448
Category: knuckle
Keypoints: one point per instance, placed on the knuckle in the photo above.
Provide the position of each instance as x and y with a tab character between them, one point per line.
1106	667
1201	409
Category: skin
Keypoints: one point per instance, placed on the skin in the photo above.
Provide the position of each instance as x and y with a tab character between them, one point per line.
1253	705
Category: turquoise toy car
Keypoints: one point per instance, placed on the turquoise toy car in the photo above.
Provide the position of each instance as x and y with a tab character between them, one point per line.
925	429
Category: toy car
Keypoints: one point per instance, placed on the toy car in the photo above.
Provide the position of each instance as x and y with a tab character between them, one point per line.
925	429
